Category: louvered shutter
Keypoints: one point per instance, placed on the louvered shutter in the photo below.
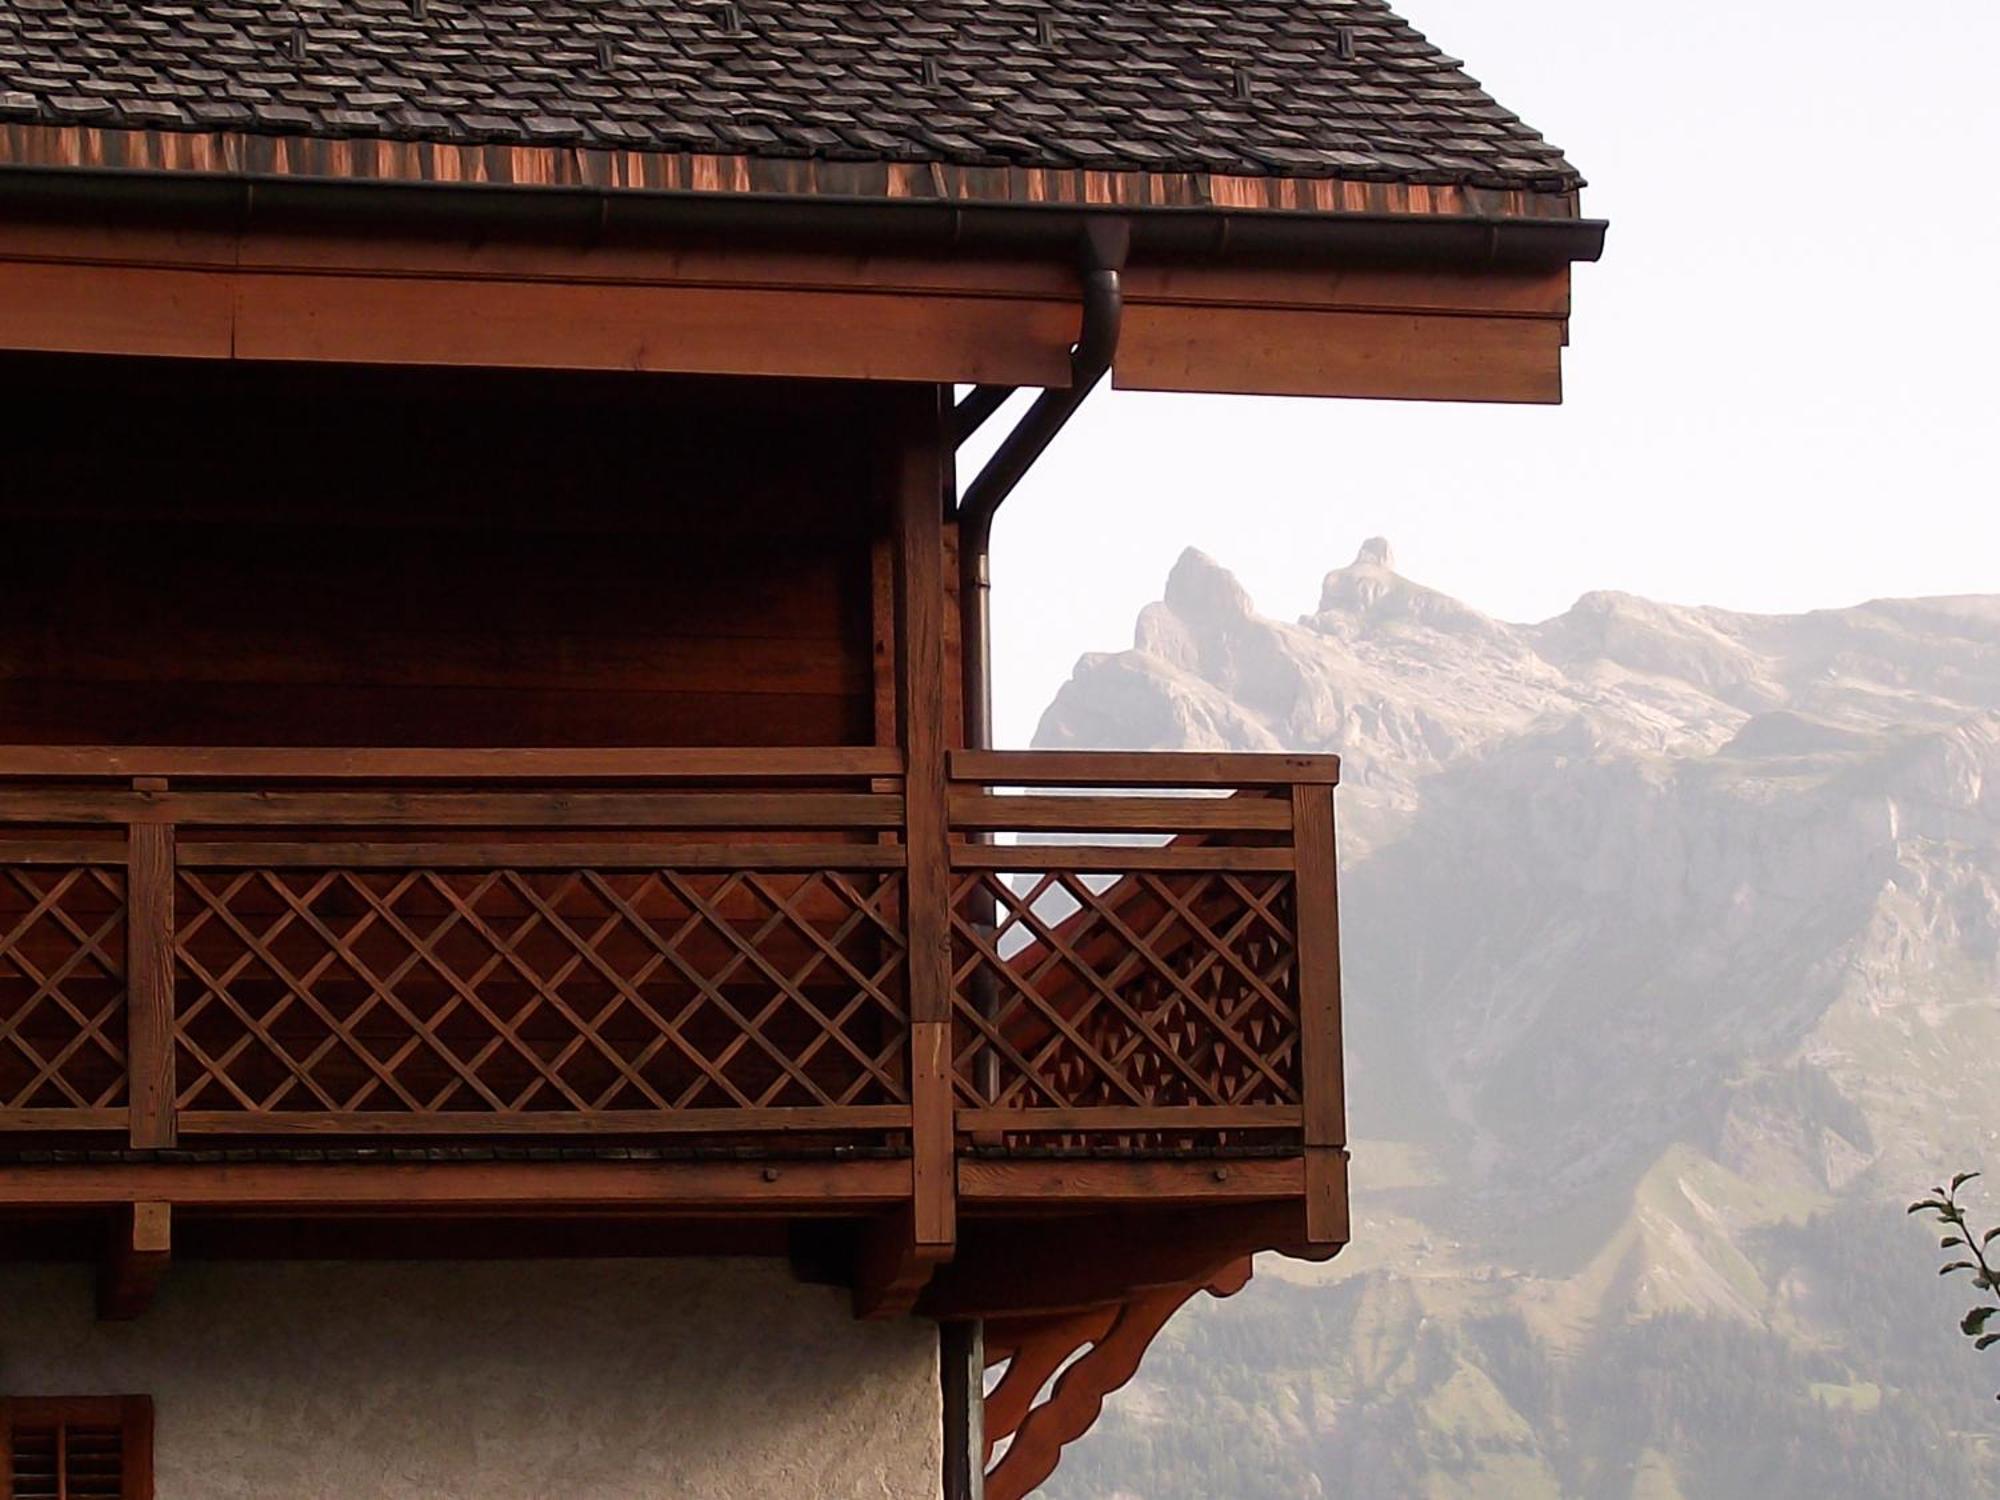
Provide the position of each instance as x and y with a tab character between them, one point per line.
76	1448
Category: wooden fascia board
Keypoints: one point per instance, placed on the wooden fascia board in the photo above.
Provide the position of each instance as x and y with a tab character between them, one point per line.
1384	331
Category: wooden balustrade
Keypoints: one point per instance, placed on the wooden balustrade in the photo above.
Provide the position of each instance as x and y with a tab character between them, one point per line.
259	943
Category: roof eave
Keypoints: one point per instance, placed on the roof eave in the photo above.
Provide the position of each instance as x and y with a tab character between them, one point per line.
906	206
1166	232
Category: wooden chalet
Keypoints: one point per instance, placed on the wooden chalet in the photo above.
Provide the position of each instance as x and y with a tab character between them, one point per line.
494	760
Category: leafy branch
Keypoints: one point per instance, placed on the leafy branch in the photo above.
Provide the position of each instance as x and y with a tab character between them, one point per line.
1944	1207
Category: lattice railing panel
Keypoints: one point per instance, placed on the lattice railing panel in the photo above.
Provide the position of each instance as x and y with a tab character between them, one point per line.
62	987
1149	989
417	992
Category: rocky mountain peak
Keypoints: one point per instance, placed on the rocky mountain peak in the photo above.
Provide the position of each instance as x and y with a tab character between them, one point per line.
1201	591
1376	553
1369	594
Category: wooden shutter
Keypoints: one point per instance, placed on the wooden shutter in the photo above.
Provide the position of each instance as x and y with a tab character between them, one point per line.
76	1448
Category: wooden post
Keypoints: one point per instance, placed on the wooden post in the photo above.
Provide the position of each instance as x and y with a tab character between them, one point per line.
962	1371
1323	1080
893	1273
149	977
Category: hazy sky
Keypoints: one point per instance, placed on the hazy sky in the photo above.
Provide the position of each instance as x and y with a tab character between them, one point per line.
1781	387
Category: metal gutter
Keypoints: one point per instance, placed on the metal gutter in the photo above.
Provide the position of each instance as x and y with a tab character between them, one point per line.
1164	233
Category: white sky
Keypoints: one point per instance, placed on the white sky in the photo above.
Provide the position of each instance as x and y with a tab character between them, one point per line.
1781	386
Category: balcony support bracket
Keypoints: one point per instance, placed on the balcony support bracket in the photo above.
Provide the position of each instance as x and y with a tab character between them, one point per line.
1097	1352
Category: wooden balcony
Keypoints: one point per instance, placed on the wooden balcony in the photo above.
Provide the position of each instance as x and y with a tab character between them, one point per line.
775	982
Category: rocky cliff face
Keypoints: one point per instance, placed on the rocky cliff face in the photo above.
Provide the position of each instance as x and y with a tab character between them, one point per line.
1673	940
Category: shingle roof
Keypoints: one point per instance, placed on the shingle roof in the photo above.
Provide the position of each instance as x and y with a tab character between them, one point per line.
1268	88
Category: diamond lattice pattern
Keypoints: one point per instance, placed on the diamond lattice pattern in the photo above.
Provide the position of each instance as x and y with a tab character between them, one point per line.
1148	989
421	991
62	988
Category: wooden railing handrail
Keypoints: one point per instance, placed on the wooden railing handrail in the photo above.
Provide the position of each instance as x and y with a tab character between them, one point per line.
1117	813
803	810
541	764
1023	768
1142	768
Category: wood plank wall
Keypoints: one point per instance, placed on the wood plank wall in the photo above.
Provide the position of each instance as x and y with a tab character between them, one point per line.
231	555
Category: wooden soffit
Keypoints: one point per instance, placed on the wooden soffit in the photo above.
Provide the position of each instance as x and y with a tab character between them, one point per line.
328	291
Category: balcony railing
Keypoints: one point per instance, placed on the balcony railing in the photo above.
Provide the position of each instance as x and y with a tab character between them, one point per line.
238	944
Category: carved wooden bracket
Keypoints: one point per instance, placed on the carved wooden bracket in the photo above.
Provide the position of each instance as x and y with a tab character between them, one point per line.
1097	1352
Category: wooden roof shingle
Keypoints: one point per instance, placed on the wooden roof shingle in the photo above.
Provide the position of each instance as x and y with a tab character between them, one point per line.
1341	89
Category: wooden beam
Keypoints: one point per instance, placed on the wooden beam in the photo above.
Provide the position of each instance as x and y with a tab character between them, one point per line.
550	1186
283	763
667	329
918	454
139	310
629	854
893	1265
799	1120
983	811
79	851
64	1121
1119	859
1113	1118
1070	1183
1144	768
1484	291
1382	356
136	1256
801	810
1410	332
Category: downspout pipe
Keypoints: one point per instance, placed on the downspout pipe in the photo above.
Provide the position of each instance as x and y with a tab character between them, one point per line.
1106	246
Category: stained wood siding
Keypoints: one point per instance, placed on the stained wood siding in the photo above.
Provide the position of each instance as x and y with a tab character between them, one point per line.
282	556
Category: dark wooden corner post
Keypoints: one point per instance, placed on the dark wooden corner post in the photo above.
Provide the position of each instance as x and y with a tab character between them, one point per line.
899	1262
1323	1077
962	1372
149	970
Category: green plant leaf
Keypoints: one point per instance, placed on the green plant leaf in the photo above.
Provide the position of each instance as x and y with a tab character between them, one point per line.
1987	1340
1948	1241
1957	1265
1975	1321
1962	1179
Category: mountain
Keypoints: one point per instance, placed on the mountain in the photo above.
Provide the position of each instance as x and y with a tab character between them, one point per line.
1672	947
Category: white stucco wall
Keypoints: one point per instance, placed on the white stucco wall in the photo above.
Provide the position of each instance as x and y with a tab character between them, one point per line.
579	1380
